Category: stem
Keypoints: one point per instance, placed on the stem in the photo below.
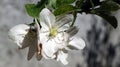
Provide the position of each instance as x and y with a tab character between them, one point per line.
81	2
38	22
92	11
75	12
92	4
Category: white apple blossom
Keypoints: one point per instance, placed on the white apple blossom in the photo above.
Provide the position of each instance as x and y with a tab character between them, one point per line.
52	41
57	36
27	36
18	32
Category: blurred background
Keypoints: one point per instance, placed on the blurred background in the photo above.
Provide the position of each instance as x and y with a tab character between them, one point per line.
102	41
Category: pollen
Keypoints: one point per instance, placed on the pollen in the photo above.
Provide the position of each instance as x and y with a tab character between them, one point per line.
53	32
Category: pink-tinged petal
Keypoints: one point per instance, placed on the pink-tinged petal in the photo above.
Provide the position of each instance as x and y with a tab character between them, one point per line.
62	57
77	43
46	19
18	33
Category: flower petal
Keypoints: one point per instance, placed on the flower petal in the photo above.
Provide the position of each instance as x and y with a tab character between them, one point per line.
46	19
61	21
43	36
37	26
49	49
77	43
38	30
62	57
18	33
72	31
61	40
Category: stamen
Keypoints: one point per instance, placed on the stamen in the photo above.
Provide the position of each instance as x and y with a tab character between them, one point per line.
53	32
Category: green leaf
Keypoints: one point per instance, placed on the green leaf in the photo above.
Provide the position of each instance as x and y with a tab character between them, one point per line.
108	17
52	3
63	2
64	9
32	10
110	6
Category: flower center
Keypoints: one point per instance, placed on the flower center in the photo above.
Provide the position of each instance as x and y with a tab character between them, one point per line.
53	32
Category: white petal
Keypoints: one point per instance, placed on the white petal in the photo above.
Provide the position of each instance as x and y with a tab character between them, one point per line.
37	26
63	28
43	36
38	30
72	31
49	49
62	57
61	21
78	43
46	19
61	40
18	33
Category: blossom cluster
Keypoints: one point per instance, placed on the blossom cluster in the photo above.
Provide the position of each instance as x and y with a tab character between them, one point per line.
52	38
